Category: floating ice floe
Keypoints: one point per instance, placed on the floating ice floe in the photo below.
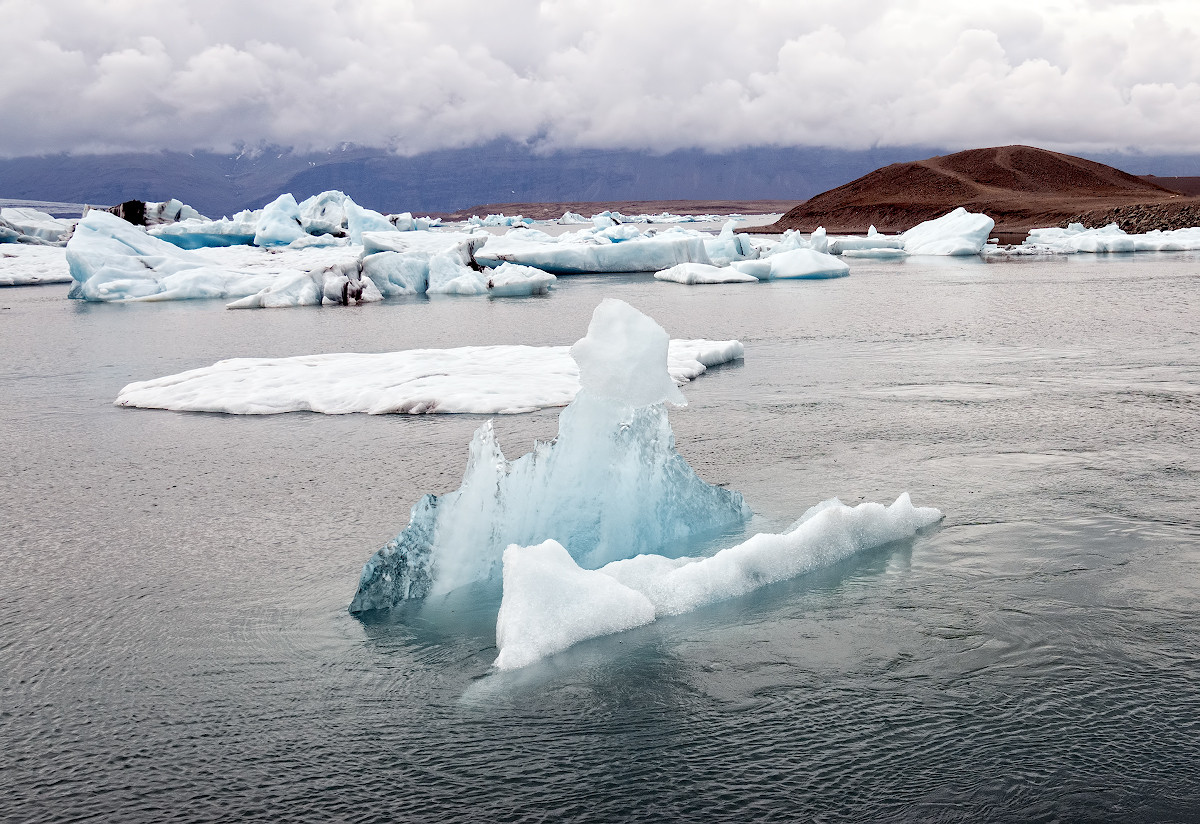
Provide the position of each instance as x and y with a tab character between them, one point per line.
874	242
483	380
170	211
499	220
550	602
609	486
29	265
112	260
1075	239
597	253
693	273
321	219
958	233
32	226
794	264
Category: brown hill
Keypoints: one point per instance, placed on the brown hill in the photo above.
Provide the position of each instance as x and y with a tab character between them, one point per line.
1020	187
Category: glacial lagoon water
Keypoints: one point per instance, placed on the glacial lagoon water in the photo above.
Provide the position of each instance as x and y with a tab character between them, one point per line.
173	629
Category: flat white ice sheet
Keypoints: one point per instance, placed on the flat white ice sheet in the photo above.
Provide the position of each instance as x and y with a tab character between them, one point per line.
486	380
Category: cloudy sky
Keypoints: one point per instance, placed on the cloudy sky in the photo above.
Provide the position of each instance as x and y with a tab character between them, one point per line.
99	75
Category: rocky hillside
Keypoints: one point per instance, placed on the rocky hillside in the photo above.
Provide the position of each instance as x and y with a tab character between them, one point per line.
1019	186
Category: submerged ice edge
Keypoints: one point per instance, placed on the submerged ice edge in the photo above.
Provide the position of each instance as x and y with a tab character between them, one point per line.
551	603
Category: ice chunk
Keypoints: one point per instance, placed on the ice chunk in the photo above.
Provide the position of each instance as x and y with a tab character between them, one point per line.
729	246
499	220
30	264
570	218
37	224
818	241
550	603
359	220
279	224
398	273
872	242
643	254
611	484
510	280
170	211
881	253
1111	238
112	260
338	283
692	273
797	263
455	272
295	289
202	233
958	233
553	603
484	380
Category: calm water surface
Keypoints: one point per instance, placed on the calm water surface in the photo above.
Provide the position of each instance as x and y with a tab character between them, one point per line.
173	634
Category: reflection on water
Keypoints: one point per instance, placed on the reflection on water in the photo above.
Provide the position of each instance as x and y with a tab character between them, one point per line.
173	620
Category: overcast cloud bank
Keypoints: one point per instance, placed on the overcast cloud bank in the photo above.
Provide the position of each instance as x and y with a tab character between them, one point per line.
81	76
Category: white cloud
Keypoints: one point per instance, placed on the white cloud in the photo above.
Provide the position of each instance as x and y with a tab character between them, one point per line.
79	75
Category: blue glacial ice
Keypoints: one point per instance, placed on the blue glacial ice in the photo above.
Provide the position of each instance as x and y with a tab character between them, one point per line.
611	485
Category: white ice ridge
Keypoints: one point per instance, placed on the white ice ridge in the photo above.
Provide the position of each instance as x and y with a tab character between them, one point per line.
550	602
28	225
321	218
609	486
112	260
1075	239
484	380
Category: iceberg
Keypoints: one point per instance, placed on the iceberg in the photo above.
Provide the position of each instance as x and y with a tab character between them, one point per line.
957	233
113	260
509	280
1075	239
170	211
550	603
598	253
200	233
609	486
110	259
279	224
326	218
35	224
729	246
800	263
339	283
481	380
853	246
693	273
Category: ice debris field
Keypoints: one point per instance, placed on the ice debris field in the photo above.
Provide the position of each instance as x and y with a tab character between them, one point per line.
572	530
327	249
